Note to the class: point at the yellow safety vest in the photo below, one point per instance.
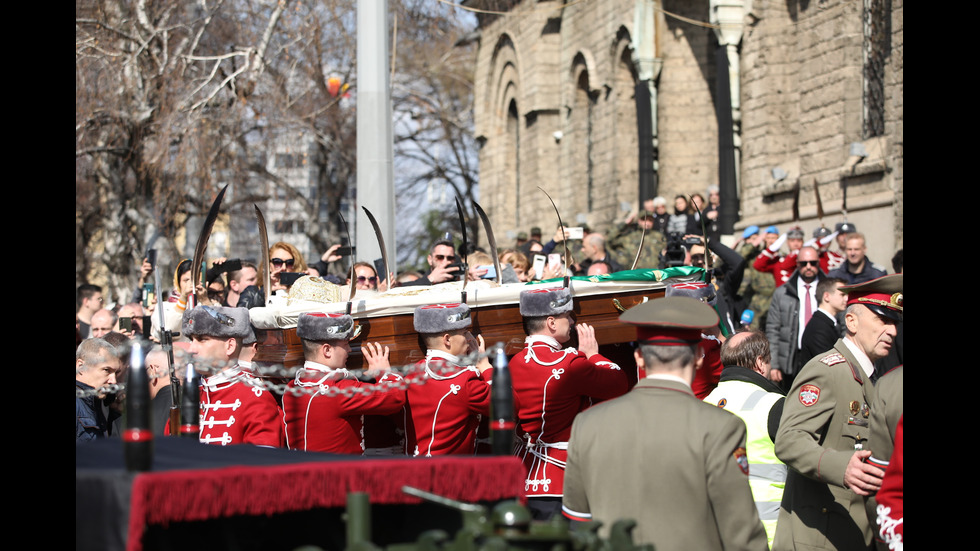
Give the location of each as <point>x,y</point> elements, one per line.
<point>767,474</point>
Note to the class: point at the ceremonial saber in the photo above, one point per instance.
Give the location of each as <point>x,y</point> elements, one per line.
<point>490,239</point>
<point>264,237</point>
<point>704,235</point>
<point>381,243</point>
<point>561,227</point>
<point>462,226</point>
<point>643,235</point>
<point>202,240</point>
<point>353,276</point>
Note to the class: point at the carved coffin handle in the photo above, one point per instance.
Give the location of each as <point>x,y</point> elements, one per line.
<point>622,308</point>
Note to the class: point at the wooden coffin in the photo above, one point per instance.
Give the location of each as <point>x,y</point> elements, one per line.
<point>495,315</point>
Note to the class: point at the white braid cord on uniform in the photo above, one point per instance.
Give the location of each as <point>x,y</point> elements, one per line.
<point>448,361</point>
<point>454,390</point>
<point>887,526</point>
<point>319,388</point>
<point>539,448</point>
<point>530,356</point>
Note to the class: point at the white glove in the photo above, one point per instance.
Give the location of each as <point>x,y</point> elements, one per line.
<point>777,244</point>
<point>826,240</point>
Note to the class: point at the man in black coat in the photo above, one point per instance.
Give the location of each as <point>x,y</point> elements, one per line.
<point>823,331</point>
<point>792,304</point>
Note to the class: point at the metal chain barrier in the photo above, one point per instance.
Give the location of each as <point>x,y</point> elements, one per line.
<point>265,373</point>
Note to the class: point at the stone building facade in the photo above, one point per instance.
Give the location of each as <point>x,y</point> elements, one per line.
<point>816,92</point>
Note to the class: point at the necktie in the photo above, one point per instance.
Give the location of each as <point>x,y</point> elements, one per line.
<point>808,309</point>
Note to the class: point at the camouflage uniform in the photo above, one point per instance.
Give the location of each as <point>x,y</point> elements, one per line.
<point>625,240</point>
<point>757,288</point>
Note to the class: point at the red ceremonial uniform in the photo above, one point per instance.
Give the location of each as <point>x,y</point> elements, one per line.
<point>444,411</point>
<point>551,386</point>
<point>706,378</point>
<point>235,410</point>
<point>323,413</point>
<point>781,267</point>
<point>891,496</point>
<point>829,260</point>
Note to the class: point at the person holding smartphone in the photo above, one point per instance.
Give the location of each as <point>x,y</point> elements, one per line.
<point>594,249</point>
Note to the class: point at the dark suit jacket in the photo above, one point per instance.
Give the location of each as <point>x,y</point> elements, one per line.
<point>819,336</point>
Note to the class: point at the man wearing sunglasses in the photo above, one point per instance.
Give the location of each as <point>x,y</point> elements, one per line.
<point>441,259</point>
<point>793,304</point>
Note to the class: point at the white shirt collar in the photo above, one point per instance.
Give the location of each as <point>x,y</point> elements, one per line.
<point>668,377</point>
<point>228,375</point>
<point>450,361</point>
<point>533,339</point>
<point>439,354</point>
<point>329,373</point>
<point>862,358</point>
<point>832,317</point>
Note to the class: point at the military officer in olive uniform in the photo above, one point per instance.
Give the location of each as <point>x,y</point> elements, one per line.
<point>624,242</point>
<point>824,430</point>
<point>675,464</point>
<point>757,287</point>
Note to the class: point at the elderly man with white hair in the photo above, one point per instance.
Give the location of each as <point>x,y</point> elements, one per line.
<point>96,365</point>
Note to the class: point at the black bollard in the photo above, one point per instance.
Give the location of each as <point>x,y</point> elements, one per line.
<point>138,438</point>
<point>190,404</point>
<point>502,404</point>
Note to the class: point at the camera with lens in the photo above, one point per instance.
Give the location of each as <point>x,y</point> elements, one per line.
<point>675,253</point>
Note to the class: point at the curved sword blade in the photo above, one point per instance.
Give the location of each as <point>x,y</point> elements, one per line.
<point>640,248</point>
<point>704,235</point>
<point>353,276</point>
<point>264,271</point>
<point>563,241</point>
<point>490,239</point>
<point>202,240</point>
<point>462,226</point>
<point>381,242</point>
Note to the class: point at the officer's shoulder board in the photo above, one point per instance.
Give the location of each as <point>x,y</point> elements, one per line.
<point>833,359</point>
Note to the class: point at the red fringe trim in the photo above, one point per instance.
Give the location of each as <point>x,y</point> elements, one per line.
<point>194,495</point>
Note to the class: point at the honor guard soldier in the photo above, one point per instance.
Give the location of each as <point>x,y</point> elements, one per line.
<point>706,378</point>
<point>823,432</point>
<point>661,456</point>
<point>325,405</point>
<point>551,386</point>
<point>234,409</point>
<point>445,408</point>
